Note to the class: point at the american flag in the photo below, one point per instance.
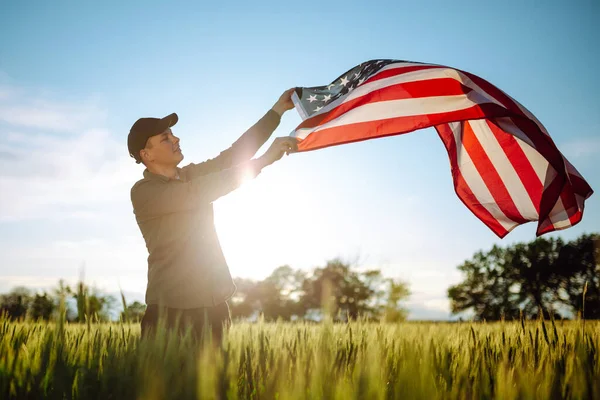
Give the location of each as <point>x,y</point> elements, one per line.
<point>506,168</point>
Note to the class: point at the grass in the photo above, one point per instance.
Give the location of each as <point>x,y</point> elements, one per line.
<point>360,360</point>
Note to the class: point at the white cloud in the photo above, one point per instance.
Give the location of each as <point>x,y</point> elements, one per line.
<point>106,262</point>
<point>22,108</point>
<point>81,169</point>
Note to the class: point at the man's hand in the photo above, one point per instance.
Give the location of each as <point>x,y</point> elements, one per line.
<point>284,103</point>
<point>281,145</point>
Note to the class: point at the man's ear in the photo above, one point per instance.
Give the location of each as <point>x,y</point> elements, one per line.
<point>144,156</point>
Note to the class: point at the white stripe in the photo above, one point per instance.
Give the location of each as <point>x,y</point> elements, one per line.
<point>475,182</point>
<point>515,187</point>
<point>537,161</point>
<point>413,76</point>
<point>558,216</point>
<point>397,109</point>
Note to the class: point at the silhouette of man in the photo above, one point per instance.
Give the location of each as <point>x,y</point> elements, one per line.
<point>189,281</point>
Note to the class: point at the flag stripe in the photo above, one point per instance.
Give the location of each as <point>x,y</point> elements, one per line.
<point>395,70</point>
<point>521,164</point>
<point>484,168</point>
<point>396,91</point>
<point>374,111</point>
<point>414,76</point>
<point>393,125</point>
<point>501,158</point>
<point>462,189</point>
<point>542,143</point>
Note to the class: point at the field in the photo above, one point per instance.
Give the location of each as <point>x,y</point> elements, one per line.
<point>531,360</point>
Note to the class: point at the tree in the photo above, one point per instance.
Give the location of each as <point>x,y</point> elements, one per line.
<point>92,304</point>
<point>579,260</point>
<point>16,303</point>
<point>337,290</point>
<point>240,304</point>
<point>537,274</point>
<point>543,276</point>
<point>396,293</point>
<point>133,312</point>
<point>42,307</point>
<point>275,297</point>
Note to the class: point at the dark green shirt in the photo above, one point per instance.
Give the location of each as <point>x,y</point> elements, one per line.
<point>186,266</point>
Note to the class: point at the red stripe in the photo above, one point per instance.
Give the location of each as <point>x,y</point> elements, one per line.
<point>569,202</point>
<point>461,188</point>
<point>549,198</point>
<point>393,126</point>
<point>542,142</point>
<point>571,208</point>
<point>580,186</point>
<point>388,73</point>
<point>489,174</point>
<point>520,163</point>
<point>401,91</point>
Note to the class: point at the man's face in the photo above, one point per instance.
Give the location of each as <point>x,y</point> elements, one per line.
<point>162,150</point>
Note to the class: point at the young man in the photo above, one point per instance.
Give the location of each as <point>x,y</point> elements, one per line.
<point>188,279</point>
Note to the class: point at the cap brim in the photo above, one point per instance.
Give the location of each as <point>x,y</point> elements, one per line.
<point>170,120</point>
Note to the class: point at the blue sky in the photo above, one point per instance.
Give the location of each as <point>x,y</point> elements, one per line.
<point>75,76</point>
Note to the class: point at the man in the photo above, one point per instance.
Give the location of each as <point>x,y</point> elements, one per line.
<point>189,281</point>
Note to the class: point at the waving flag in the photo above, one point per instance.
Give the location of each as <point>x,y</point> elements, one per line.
<point>506,168</point>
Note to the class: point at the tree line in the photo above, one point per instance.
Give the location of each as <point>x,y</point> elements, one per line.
<point>547,276</point>
<point>336,290</point>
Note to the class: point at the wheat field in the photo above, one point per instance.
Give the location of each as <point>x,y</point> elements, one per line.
<point>358,360</point>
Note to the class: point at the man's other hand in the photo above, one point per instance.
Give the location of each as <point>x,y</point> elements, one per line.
<point>284,103</point>
<point>279,147</point>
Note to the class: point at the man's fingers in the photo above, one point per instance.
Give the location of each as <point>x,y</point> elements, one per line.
<point>286,144</point>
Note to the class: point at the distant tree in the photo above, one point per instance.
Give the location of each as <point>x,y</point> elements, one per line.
<point>16,303</point>
<point>337,290</point>
<point>64,294</point>
<point>579,265</point>
<point>274,297</point>
<point>396,292</point>
<point>92,304</point>
<point>489,287</point>
<point>537,275</point>
<point>240,304</point>
<point>42,307</point>
<point>543,276</point>
<point>278,294</point>
<point>134,312</point>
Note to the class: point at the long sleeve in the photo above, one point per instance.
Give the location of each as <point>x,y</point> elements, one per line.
<point>241,150</point>
<point>152,199</point>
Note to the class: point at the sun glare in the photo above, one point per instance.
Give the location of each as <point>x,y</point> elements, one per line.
<point>259,230</point>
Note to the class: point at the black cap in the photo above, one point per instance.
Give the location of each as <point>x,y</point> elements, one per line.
<point>145,128</point>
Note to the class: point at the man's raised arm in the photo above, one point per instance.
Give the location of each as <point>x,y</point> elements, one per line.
<point>248,144</point>
<point>154,199</point>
